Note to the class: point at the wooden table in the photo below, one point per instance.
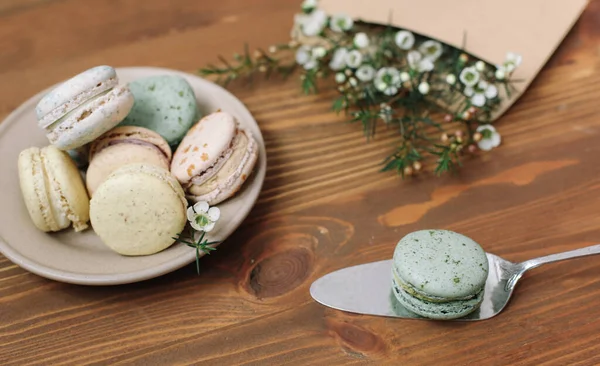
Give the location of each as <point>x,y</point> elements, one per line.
<point>324,206</point>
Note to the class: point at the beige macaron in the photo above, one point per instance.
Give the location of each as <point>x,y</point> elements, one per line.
<point>138,210</point>
<point>53,189</point>
<point>214,159</point>
<point>122,146</point>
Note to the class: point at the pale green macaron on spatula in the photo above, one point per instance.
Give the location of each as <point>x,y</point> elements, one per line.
<point>439,274</point>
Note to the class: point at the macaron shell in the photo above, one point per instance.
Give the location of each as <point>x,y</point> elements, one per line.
<point>441,263</point>
<point>33,190</point>
<point>92,119</point>
<point>71,93</point>
<point>203,146</point>
<point>230,178</point>
<point>114,157</point>
<point>138,210</point>
<point>66,181</point>
<point>128,133</point>
<point>165,104</point>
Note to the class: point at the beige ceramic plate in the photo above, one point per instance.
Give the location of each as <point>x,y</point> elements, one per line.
<point>82,258</point>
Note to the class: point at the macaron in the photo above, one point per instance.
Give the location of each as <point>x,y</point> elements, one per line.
<point>439,274</point>
<point>214,159</point>
<point>53,189</point>
<point>122,146</point>
<point>165,104</point>
<point>138,210</point>
<point>84,107</point>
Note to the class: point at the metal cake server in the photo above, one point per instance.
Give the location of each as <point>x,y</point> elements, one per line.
<point>367,288</point>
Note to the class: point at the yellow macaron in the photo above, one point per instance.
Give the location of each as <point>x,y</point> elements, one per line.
<point>138,209</point>
<point>53,189</point>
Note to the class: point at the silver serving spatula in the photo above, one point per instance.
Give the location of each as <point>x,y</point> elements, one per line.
<point>367,288</point>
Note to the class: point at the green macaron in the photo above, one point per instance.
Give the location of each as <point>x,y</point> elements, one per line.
<point>165,104</point>
<point>439,274</point>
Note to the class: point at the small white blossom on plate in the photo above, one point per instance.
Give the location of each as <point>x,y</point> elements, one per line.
<point>481,93</point>
<point>353,82</point>
<point>490,137</point>
<point>387,80</point>
<point>405,40</point>
<point>404,76</point>
<point>469,76</point>
<point>423,88</point>
<point>312,24</point>
<point>361,40</point>
<point>480,66</point>
<point>451,79</point>
<point>365,73</point>
<point>202,217</point>
<point>431,50</point>
<point>340,77</point>
<point>353,59</point>
<point>417,62</point>
<point>309,5</point>
<point>338,60</point>
<point>341,23</point>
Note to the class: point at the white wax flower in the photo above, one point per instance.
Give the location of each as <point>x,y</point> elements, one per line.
<point>513,60</point>
<point>423,88</point>
<point>490,137</point>
<point>353,81</point>
<point>404,76</point>
<point>365,73</point>
<point>385,112</point>
<point>341,23</point>
<point>202,217</point>
<point>319,52</point>
<point>353,59</point>
<point>480,66</point>
<point>469,76</point>
<point>303,55</point>
<point>312,24</point>
<point>338,60</point>
<point>500,74</point>
<point>405,40</point>
<point>387,80</point>
<point>417,62</point>
<point>451,79</point>
<point>361,40</point>
<point>481,93</point>
<point>431,50</point>
<point>340,77</point>
<point>309,5</point>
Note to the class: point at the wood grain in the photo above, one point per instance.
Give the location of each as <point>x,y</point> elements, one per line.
<point>324,206</point>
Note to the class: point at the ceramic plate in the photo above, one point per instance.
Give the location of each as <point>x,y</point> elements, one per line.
<point>82,258</point>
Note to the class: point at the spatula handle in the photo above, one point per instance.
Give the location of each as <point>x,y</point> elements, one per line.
<point>583,252</point>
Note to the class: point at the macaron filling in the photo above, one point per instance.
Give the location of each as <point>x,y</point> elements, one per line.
<point>420,294</point>
<point>436,310</point>
<point>217,165</point>
<point>231,167</point>
<point>79,114</point>
<point>59,204</point>
<point>48,207</point>
<point>63,109</point>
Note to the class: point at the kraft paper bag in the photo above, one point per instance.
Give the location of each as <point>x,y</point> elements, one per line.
<point>531,28</point>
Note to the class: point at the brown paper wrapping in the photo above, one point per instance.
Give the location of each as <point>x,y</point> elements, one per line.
<point>531,28</point>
